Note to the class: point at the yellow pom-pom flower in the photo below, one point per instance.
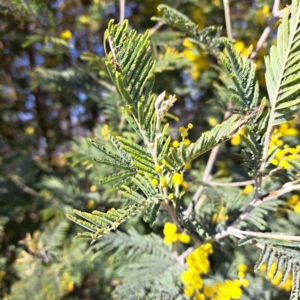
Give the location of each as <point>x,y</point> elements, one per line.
<point>154,182</point>
<point>183,131</point>
<point>170,228</point>
<point>185,185</point>
<point>242,268</point>
<point>177,179</point>
<point>29,130</point>
<point>66,35</point>
<point>84,19</point>
<point>171,196</point>
<point>188,165</point>
<point>184,238</point>
<point>93,188</point>
<point>175,144</point>
<point>163,182</point>
<point>186,142</point>
<point>248,189</point>
<point>157,168</point>
<point>91,204</point>
<point>170,233</point>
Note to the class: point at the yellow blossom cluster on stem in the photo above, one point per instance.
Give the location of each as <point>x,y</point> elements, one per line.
<point>284,152</point>
<point>184,133</point>
<point>66,285</point>
<point>172,236</point>
<point>84,19</point>
<point>91,204</point>
<point>66,35</point>
<point>199,59</point>
<point>177,180</point>
<point>287,285</point>
<point>247,189</point>
<point>221,216</point>
<point>285,130</point>
<point>227,290</point>
<point>104,132</point>
<point>242,269</point>
<point>29,130</point>
<point>241,47</point>
<point>294,202</point>
<point>198,264</point>
<point>236,140</point>
<point>263,14</point>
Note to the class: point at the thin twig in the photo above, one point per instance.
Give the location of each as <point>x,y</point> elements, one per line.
<point>236,232</point>
<point>286,188</point>
<point>122,11</point>
<point>231,184</point>
<point>183,255</point>
<point>24,187</point>
<point>160,24</point>
<point>275,16</point>
<point>155,27</point>
<point>269,235</point>
<point>227,18</point>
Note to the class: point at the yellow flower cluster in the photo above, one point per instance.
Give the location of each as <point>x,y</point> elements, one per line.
<point>66,35</point>
<point>104,132</point>
<point>247,189</point>
<point>29,130</point>
<point>93,188</point>
<point>294,203</point>
<point>91,204</point>
<point>241,48</point>
<point>163,181</point>
<point>287,285</point>
<point>157,168</point>
<point>66,285</point>
<point>242,268</point>
<point>212,121</point>
<point>154,182</point>
<point>286,152</point>
<point>224,291</point>
<point>236,140</point>
<point>177,179</point>
<point>184,133</point>
<point>171,235</point>
<point>220,217</point>
<point>199,60</point>
<point>84,19</point>
<point>198,264</point>
<point>263,14</point>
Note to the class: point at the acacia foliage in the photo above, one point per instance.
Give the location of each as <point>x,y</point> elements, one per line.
<point>57,87</point>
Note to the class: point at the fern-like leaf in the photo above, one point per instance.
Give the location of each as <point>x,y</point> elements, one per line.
<point>242,72</point>
<point>207,38</point>
<point>129,63</point>
<point>287,255</point>
<point>282,74</point>
<point>99,223</point>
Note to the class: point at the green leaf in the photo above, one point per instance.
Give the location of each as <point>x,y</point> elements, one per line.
<point>282,67</point>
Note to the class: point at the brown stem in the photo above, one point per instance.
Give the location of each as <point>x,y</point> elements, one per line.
<point>276,14</point>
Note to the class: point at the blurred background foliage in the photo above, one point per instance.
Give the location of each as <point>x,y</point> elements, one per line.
<point>53,95</point>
